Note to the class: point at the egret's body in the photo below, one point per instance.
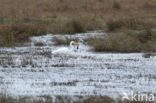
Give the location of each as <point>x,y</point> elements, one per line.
<point>67,50</point>
<point>63,50</point>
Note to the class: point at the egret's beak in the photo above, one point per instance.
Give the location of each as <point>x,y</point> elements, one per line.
<point>77,44</point>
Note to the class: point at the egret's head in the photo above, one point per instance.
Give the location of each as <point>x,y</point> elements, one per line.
<point>74,45</point>
<point>77,45</point>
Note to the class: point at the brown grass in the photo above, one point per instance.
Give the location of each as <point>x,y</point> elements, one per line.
<point>23,100</point>
<point>132,23</point>
<point>74,26</point>
<point>66,99</point>
<point>65,41</point>
<point>14,33</point>
<point>71,16</point>
<point>48,8</point>
<point>39,44</point>
<point>128,41</point>
<point>116,5</point>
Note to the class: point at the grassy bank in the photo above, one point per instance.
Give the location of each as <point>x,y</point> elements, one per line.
<point>30,18</point>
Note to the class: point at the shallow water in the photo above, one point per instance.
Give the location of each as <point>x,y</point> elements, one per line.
<point>35,71</point>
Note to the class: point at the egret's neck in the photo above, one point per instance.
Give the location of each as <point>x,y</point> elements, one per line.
<point>72,47</point>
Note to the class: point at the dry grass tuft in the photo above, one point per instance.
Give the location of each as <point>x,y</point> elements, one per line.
<point>39,44</point>
<point>132,23</point>
<point>65,41</point>
<point>74,26</point>
<point>115,43</point>
<point>116,5</point>
<point>128,41</point>
<point>14,33</point>
<point>104,99</point>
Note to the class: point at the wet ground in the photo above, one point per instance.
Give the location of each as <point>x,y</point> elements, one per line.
<point>35,71</point>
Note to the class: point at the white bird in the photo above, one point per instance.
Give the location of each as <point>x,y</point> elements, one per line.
<point>74,46</point>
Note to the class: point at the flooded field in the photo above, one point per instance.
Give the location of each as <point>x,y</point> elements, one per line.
<point>36,71</point>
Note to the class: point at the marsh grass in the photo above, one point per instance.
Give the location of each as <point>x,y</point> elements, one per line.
<point>128,41</point>
<point>74,26</point>
<point>23,100</point>
<point>14,33</point>
<point>31,17</point>
<point>116,5</point>
<point>39,44</point>
<point>131,23</point>
<point>63,41</point>
<point>148,55</point>
<point>66,99</point>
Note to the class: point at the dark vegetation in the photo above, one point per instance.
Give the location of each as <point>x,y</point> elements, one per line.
<point>64,99</point>
<point>39,44</point>
<point>21,19</point>
<point>13,33</point>
<point>128,41</point>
